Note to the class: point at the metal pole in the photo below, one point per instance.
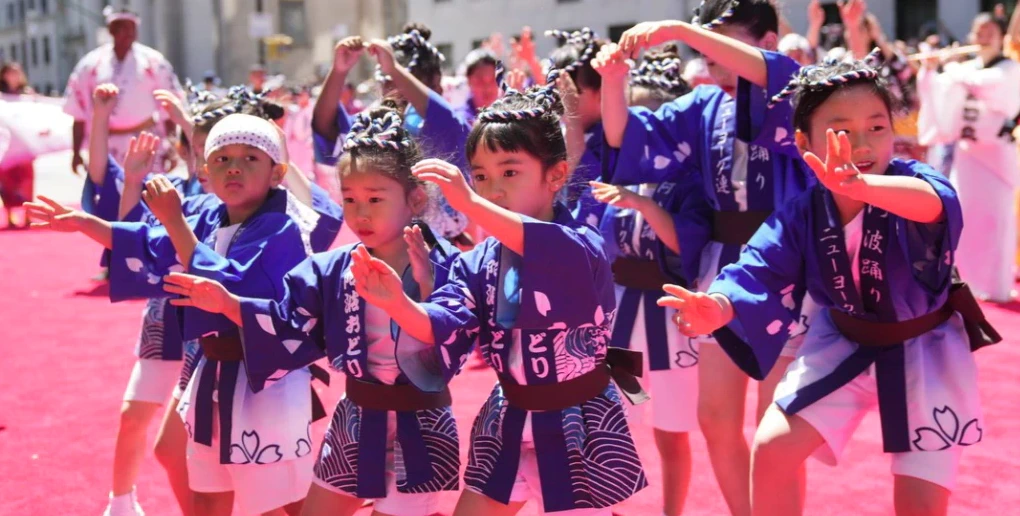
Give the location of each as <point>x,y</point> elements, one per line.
<point>261,43</point>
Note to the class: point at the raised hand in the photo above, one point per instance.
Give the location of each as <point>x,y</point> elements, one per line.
<point>647,35</point>
<point>837,171</point>
<point>104,99</point>
<point>205,294</point>
<point>163,200</point>
<point>611,62</point>
<point>448,178</point>
<point>382,51</point>
<point>374,280</point>
<point>50,214</point>
<point>696,313</point>
<point>346,53</point>
<point>616,196</point>
<point>816,14</point>
<point>852,12</point>
<point>421,266</point>
<point>77,162</point>
<point>140,156</point>
<point>524,48</point>
<point>172,106</point>
<point>515,79</point>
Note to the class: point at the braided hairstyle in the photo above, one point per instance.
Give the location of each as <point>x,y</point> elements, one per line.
<point>238,100</point>
<point>414,52</point>
<point>378,142</point>
<point>658,78</point>
<point>758,17</point>
<point>813,85</point>
<point>522,121</point>
<point>577,49</point>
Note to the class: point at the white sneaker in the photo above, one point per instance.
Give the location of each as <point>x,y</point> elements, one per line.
<point>124,505</point>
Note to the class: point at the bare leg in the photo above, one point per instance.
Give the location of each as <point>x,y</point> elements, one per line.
<point>781,445</point>
<point>214,504</point>
<point>722,390</point>
<point>471,503</point>
<point>766,393</point>
<point>129,451</point>
<point>675,452</point>
<point>916,497</point>
<point>171,452</point>
<point>323,502</point>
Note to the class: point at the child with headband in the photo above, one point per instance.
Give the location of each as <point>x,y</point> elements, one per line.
<point>874,245</point>
<point>748,165</point>
<point>537,296</point>
<point>387,441</point>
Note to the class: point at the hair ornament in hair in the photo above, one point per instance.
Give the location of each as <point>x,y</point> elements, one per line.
<point>412,44</point>
<point>802,80</point>
<point>583,38</point>
<point>718,22</point>
<point>545,97</point>
<point>664,74</point>
<point>239,97</point>
<point>196,96</point>
<point>379,133</point>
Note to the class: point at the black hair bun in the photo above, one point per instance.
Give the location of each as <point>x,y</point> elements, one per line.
<point>422,29</point>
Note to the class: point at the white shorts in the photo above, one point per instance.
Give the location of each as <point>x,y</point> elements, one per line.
<point>258,488</point>
<point>152,380</point>
<point>395,503</point>
<point>838,415</point>
<point>674,403</point>
<point>528,486</point>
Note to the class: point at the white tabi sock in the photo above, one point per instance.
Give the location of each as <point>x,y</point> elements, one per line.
<point>124,505</point>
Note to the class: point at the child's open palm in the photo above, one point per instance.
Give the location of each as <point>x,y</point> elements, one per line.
<point>163,200</point>
<point>448,178</point>
<point>140,156</point>
<point>615,195</point>
<point>104,99</point>
<point>374,280</point>
<point>696,312</point>
<point>837,172</point>
<point>171,104</point>
<point>346,53</point>
<point>50,214</point>
<point>205,294</point>
<point>421,266</point>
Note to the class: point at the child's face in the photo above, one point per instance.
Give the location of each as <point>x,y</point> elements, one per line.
<point>241,175</point>
<point>483,86</point>
<point>862,115</point>
<point>377,207</point>
<point>516,181</point>
<point>985,33</point>
<point>724,77</point>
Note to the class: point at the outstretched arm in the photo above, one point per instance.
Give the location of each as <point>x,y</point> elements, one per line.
<point>50,214</point>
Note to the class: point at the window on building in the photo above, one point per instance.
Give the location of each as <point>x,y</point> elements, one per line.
<point>292,20</point>
<point>31,4</point>
<point>989,5</point>
<point>46,50</point>
<point>21,10</point>
<point>24,53</point>
<point>477,43</point>
<point>14,52</point>
<point>914,17</point>
<point>615,31</point>
<point>35,52</point>
<point>10,14</point>
<point>44,6</point>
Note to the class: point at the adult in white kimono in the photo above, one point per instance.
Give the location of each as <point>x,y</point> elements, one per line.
<point>969,104</point>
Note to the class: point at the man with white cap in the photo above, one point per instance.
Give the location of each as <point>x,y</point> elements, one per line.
<point>137,71</point>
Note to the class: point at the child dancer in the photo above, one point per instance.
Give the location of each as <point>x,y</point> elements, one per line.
<point>874,245</point>
<point>255,457</point>
<point>387,439</point>
<point>645,228</point>
<point>409,68</point>
<point>748,165</point>
<point>538,297</point>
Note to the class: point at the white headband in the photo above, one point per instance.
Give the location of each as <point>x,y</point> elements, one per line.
<point>241,129</point>
<point>114,15</point>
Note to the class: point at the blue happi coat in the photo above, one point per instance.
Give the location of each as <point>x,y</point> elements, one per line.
<point>543,318</point>
<point>321,314</point>
<point>927,385</point>
<point>629,236</point>
<point>743,151</point>
<point>254,429</point>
